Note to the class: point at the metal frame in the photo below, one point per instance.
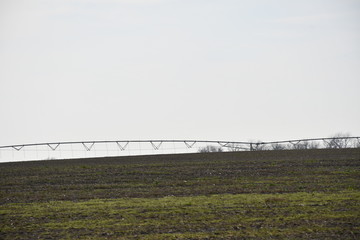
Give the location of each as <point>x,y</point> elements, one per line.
<point>233,146</point>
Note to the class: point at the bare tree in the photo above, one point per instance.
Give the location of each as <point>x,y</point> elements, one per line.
<point>258,146</point>
<point>278,146</point>
<point>313,145</point>
<point>339,140</point>
<point>233,147</point>
<point>357,143</point>
<point>300,145</point>
<point>210,148</point>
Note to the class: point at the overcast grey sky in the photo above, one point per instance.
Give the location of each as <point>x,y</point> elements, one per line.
<point>178,69</point>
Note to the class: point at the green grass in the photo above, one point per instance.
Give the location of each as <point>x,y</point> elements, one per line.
<point>289,195</point>
<point>240,215</point>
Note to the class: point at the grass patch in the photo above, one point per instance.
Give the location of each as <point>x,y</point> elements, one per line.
<point>239,215</point>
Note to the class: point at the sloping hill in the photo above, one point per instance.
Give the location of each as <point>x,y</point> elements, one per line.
<point>289,193</point>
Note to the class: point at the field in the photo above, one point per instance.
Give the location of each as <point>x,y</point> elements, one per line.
<point>289,194</point>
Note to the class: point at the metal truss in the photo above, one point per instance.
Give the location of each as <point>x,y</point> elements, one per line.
<point>156,144</point>
<point>88,146</point>
<point>122,147</point>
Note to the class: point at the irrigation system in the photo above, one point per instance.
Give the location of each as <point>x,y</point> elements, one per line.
<point>89,149</point>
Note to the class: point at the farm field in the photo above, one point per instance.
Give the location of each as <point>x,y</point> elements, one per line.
<point>289,194</point>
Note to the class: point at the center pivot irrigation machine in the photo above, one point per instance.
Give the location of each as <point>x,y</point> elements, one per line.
<point>89,149</point>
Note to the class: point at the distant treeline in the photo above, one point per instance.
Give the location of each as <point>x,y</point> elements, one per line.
<point>337,141</point>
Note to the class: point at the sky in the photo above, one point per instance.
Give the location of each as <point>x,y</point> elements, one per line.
<point>234,70</point>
